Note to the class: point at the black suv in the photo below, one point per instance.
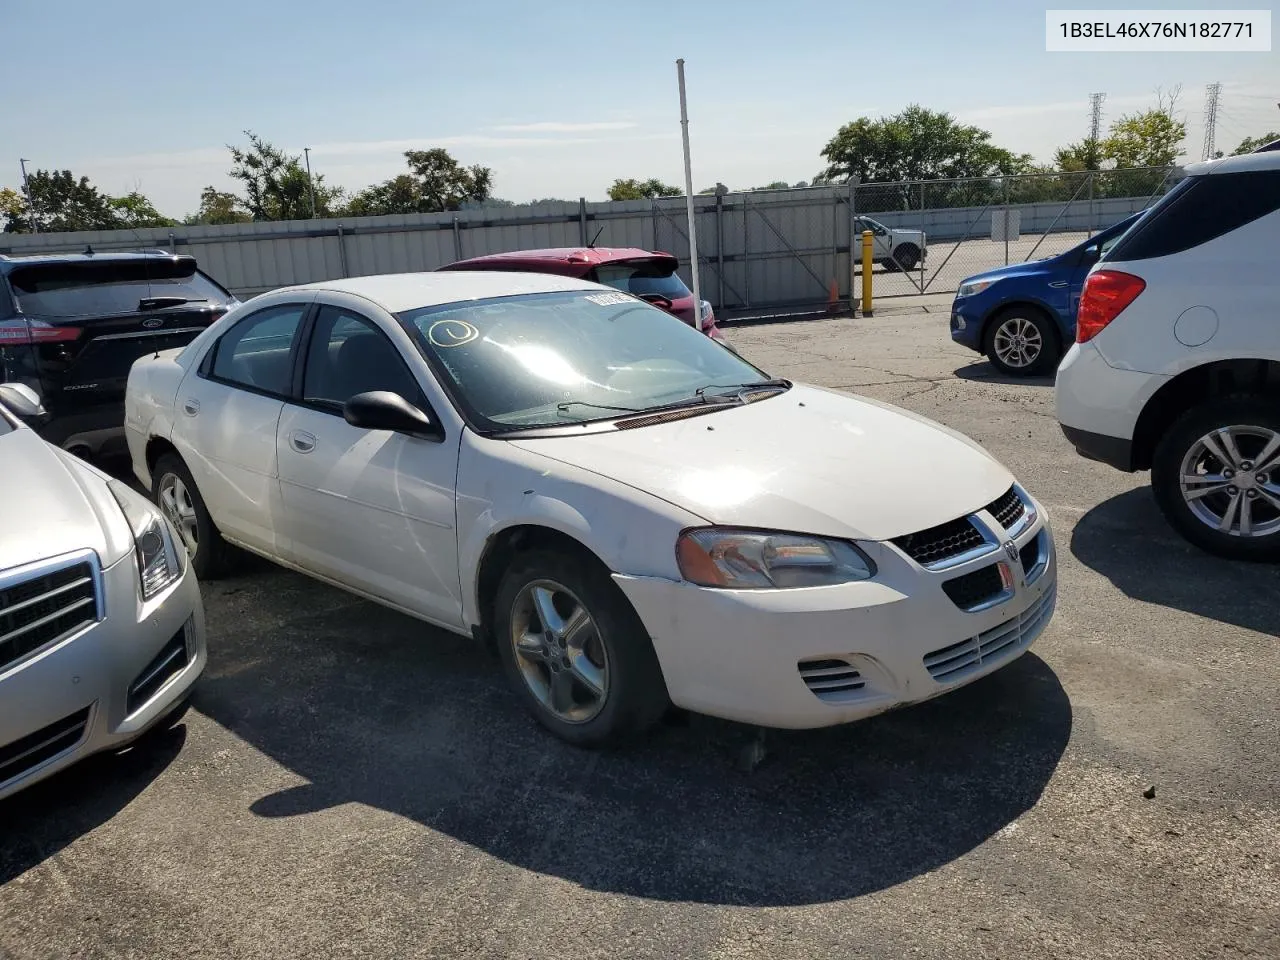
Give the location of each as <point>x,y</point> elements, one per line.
<point>72,325</point>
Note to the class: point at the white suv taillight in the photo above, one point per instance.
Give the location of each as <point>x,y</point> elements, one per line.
<point>1106,294</point>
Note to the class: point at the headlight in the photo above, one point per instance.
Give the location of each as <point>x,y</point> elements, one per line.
<point>720,557</point>
<point>160,563</point>
<point>969,288</point>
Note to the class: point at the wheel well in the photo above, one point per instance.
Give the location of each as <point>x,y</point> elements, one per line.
<point>1193,387</point>
<point>157,447</point>
<point>504,546</point>
<point>1005,308</point>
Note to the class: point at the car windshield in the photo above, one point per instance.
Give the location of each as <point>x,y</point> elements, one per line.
<point>551,359</point>
<point>654,279</point>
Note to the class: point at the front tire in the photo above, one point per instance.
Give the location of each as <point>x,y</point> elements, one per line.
<point>1216,477</point>
<point>175,493</point>
<point>574,650</point>
<point>1021,342</point>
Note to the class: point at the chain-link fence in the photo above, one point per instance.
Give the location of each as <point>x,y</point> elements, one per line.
<point>930,235</point>
<point>760,251</point>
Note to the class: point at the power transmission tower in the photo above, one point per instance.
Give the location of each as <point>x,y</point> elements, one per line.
<point>1095,129</point>
<point>1211,94</point>
<point>1095,115</point>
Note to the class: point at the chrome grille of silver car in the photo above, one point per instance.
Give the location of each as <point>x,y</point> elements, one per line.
<point>43,603</point>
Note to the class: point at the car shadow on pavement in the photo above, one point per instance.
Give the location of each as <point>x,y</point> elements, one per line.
<point>1128,541</point>
<point>42,820</point>
<point>374,708</point>
<point>981,371</point>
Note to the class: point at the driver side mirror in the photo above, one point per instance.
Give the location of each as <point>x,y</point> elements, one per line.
<point>1091,253</point>
<point>22,401</point>
<point>384,410</point>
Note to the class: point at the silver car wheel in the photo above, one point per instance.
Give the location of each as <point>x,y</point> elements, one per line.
<point>1018,342</point>
<point>1230,480</point>
<point>559,652</point>
<point>175,502</point>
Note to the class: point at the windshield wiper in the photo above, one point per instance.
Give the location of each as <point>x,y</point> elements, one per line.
<point>564,405</point>
<point>741,388</point>
<point>159,303</point>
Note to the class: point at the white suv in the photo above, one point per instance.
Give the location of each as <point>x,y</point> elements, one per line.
<point>1176,367</point>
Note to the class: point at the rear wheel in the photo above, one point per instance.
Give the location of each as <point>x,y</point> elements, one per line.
<point>575,651</point>
<point>174,491</point>
<point>1216,476</point>
<point>906,256</point>
<point>1021,342</point>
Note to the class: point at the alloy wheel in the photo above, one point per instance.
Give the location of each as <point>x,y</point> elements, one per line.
<point>1230,480</point>
<point>559,652</point>
<point>1018,342</point>
<point>176,504</point>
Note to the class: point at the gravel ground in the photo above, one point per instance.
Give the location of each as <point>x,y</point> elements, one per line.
<point>351,783</point>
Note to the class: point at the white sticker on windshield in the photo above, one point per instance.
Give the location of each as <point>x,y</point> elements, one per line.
<point>609,299</point>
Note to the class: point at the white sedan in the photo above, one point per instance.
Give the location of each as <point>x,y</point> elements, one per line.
<point>633,514</point>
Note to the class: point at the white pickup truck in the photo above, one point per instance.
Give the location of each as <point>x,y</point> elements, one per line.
<point>895,249</point>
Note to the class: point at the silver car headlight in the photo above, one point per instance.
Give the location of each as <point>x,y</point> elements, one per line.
<point>752,559</point>
<point>160,563</point>
<point>970,287</point>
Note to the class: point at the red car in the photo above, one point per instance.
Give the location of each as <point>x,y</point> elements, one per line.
<point>647,274</point>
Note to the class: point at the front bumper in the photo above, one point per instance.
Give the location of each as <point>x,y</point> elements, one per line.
<point>760,656</point>
<point>966,325</point>
<point>104,686</point>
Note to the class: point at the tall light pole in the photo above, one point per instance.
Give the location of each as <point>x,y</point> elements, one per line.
<point>311,190</point>
<point>688,197</point>
<point>31,201</point>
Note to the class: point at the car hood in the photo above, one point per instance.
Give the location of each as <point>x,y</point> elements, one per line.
<point>1033,268</point>
<point>808,461</point>
<point>51,504</point>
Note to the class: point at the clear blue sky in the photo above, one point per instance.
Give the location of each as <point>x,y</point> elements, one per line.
<point>559,98</point>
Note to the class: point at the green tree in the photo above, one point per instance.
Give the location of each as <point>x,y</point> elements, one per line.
<point>1152,138</point>
<point>63,203</point>
<point>13,208</point>
<point>436,182</point>
<point>1074,157</point>
<point>632,189</point>
<point>916,144</point>
<point>1250,144</point>
<point>276,185</point>
<point>135,210</point>
<point>217,207</point>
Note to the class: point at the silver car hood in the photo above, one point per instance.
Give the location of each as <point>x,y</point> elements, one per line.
<point>52,503</point>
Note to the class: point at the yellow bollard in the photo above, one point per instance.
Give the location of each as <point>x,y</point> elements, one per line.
<point>868,243</point>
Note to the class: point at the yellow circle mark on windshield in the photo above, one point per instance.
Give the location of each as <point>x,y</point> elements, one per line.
<point>451,333</point>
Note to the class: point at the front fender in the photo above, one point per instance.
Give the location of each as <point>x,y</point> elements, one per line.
<point>502,486</point>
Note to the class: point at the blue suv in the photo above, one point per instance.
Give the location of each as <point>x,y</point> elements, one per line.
<point>1023,316</point>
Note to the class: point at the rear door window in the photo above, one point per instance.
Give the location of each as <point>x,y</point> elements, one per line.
<point>110,288</point>
<point>257,352</point>
<point>642,279</point>
<point>1197,210</point>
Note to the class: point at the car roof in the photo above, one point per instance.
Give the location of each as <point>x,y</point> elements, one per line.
<point>1265,160</point>
<point>396,292</point>
<point>9,263</point>
<point>577,256</point>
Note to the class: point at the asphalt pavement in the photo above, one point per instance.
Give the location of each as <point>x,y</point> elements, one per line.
<point>352,783</point>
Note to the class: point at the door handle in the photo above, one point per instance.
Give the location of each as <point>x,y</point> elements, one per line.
<point>302,441</point>
<point>190,407</point>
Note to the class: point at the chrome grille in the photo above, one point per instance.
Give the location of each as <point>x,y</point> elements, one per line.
<point>1007,509</point>
<point>830,678</point>
<point>42,604</point>
<point>1001,642</point>
<point>940,543</point>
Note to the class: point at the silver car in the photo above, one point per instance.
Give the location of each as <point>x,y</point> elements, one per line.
<point>101,624</point>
